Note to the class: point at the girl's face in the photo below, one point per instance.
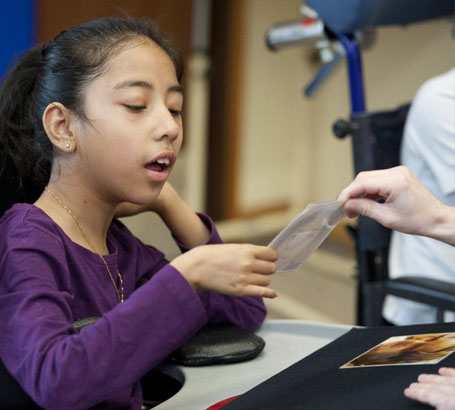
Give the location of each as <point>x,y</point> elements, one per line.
<point>134,130</point>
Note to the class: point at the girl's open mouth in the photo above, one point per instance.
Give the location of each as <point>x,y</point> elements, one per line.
<point>159,169</point>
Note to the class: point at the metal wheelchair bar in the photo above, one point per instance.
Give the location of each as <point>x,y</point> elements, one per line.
<point>355,73</point>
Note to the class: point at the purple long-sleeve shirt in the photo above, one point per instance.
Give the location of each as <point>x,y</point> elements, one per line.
<point>47,282</point>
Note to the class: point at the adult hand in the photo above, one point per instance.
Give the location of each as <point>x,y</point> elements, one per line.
<point>407,206</point>
<point>231,269</point>
<point>437,390</point>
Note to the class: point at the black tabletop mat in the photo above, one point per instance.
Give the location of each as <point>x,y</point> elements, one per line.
<point>316,382</point>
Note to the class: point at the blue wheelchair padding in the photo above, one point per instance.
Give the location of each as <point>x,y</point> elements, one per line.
<point>17,29</point>
<point>347,16</point>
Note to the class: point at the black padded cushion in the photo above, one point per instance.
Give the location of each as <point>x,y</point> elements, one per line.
<point>217,344</point>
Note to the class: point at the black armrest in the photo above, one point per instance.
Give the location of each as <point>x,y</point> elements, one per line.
<point>429,291</point>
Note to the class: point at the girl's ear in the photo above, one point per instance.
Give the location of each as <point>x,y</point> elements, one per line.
<point>56,122</point>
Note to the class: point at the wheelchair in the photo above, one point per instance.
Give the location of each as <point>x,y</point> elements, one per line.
<point>339,30</point>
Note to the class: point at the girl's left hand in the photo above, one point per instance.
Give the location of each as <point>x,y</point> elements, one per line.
<point>166,197</point>
<point>159,205</point>
<point>179,218</point>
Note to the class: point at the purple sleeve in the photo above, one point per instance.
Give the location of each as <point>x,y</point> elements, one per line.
<point>245,312</point>
<point>61,369</point>
<point>214,236</point>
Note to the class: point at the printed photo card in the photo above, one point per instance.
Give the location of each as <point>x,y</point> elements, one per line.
<point>407,350</point>
<point>303,235</point>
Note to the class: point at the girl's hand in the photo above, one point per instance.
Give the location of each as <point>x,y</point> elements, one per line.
<point>231,269</point>
<point>165,199</point>
<point>158,205</point>
<point>181,220</point>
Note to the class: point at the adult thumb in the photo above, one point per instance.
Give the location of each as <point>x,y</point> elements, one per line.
<point>366,207</point>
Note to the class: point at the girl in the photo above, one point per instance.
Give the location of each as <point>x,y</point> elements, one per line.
<point>94,116</point>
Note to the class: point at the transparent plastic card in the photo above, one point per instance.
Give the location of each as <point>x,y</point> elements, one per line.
<point>305,233</point>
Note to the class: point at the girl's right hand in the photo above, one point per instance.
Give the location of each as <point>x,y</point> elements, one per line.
<point>231,269</point>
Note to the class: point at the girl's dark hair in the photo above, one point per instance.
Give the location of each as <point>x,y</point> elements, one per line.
<point>57,71</point>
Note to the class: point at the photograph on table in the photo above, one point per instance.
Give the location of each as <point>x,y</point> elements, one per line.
<point>406,350</point>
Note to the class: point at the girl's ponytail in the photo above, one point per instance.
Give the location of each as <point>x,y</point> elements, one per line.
<point>21,164</point>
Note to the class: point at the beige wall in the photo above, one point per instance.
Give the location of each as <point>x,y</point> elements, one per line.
<point>275,148</point>
<point>288,151</point>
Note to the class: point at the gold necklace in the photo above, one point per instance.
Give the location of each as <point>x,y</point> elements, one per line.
<point>119,294</point>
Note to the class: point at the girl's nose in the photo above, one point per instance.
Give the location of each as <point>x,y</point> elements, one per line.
<point>169,126</point>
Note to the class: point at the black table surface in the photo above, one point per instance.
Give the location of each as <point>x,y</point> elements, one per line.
<point>317,382</point>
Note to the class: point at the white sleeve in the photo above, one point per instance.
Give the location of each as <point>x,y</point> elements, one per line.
<point>429,135</point>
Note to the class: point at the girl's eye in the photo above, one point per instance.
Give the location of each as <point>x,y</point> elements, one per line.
<point>176,113</point>
<point>135,108</point>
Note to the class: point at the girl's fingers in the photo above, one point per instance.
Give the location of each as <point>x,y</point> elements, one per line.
<point>265,253</point>
<point>258,279</point>
<point>259,291</point>
<point>263,267</point>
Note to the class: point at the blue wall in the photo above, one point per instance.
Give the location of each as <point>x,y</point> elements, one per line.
<point>17,29</point>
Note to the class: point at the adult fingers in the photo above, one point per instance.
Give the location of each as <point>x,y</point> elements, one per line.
<point>377,183</point>
<point>420,392</point>
<point>437,378</point>
<point>364,206</point>
<point>437,395</point>
<point>365,183</point>
<point>449,371</point>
